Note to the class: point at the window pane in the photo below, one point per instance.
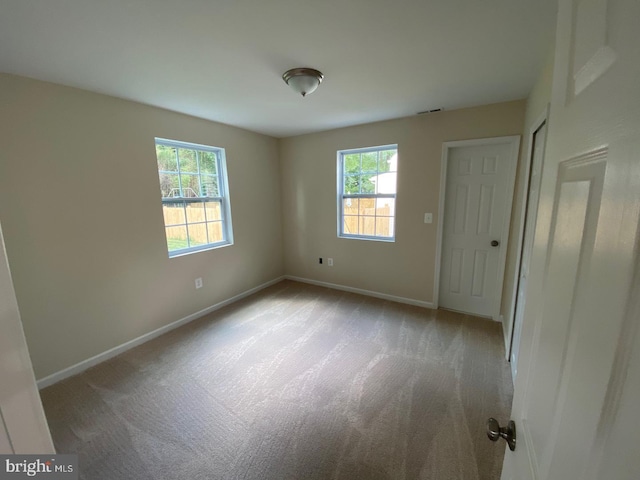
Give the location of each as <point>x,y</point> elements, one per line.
<point>352,163</point>
<point>350,206</point>
<point>188,162</point>
<point>215,232</point>
<point>387,162</point>
<point>370,175</point>
<point>386,207</point>
<point>367,206</point>
<point>351,184</point>
<point>383,227</point>
<point>368,226</point>
<point>350,224</point>
<point>386,183</point>
<point>208,163</point>
<point>195,212</point>
<point>166,158</point>
<point>190,186</point>
<point>195,208</point>
<point>213,211</point>
<point>173,213</point>
<point>197,234</point>
<point>367,185</point>
<point>209,186</point>
<point>370,162</point>
<point>169,185</point>
<point>176,238</point>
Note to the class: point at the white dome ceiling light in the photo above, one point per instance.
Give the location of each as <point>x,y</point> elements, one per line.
<point>303,80</point>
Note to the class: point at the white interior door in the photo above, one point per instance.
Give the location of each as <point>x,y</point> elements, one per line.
<point>477,209</point>
<point>23,427</point>
<point>538,142</point>
<point>578,386</point>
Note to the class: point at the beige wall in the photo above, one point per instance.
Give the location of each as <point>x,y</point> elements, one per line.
<point>80,208</point>
<point>535,107</point>
<point>404,268</point>
<point>81,213</point>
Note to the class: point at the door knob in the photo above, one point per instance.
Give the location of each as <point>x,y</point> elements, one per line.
<point>495,243</point>
<point>495,431</point>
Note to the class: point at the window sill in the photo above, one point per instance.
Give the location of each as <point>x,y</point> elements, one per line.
<point>204,248</point>
<point>373,239</point>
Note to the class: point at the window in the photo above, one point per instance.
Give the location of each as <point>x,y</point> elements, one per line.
<point>367,193</point>
<point>195,196</point>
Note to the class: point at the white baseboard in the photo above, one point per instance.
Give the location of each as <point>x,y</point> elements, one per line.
<point>112,352</point>
<point>369,293</point>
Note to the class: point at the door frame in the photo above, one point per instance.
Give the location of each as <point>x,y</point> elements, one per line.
<point>514,141</point>
<point>542,119</point>
<point>23,426</point>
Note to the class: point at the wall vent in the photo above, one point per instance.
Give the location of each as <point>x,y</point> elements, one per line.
<point>430,111</point>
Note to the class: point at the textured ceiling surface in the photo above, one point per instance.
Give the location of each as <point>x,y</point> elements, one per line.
<point>223,59</point>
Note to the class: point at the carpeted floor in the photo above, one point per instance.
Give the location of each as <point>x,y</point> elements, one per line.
<point>295,382</point>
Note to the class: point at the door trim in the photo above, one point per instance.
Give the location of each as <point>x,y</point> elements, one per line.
<point>535,126</point>
<point>514,141</point>
<point>23,424</point>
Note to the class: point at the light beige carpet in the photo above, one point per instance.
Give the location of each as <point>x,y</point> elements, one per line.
<point>295,382</point>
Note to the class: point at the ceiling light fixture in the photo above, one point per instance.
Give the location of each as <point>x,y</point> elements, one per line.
<point>303,80</point>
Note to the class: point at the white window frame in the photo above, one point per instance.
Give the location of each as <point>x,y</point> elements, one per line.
<point>222,197</point>
<point>342,196</point>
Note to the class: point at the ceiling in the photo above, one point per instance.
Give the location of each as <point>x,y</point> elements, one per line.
<point>223,59</point>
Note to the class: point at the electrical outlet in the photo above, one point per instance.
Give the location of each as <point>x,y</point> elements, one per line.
<point>330,262</point>
<point>198,282</point>
<point>428,218</point>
